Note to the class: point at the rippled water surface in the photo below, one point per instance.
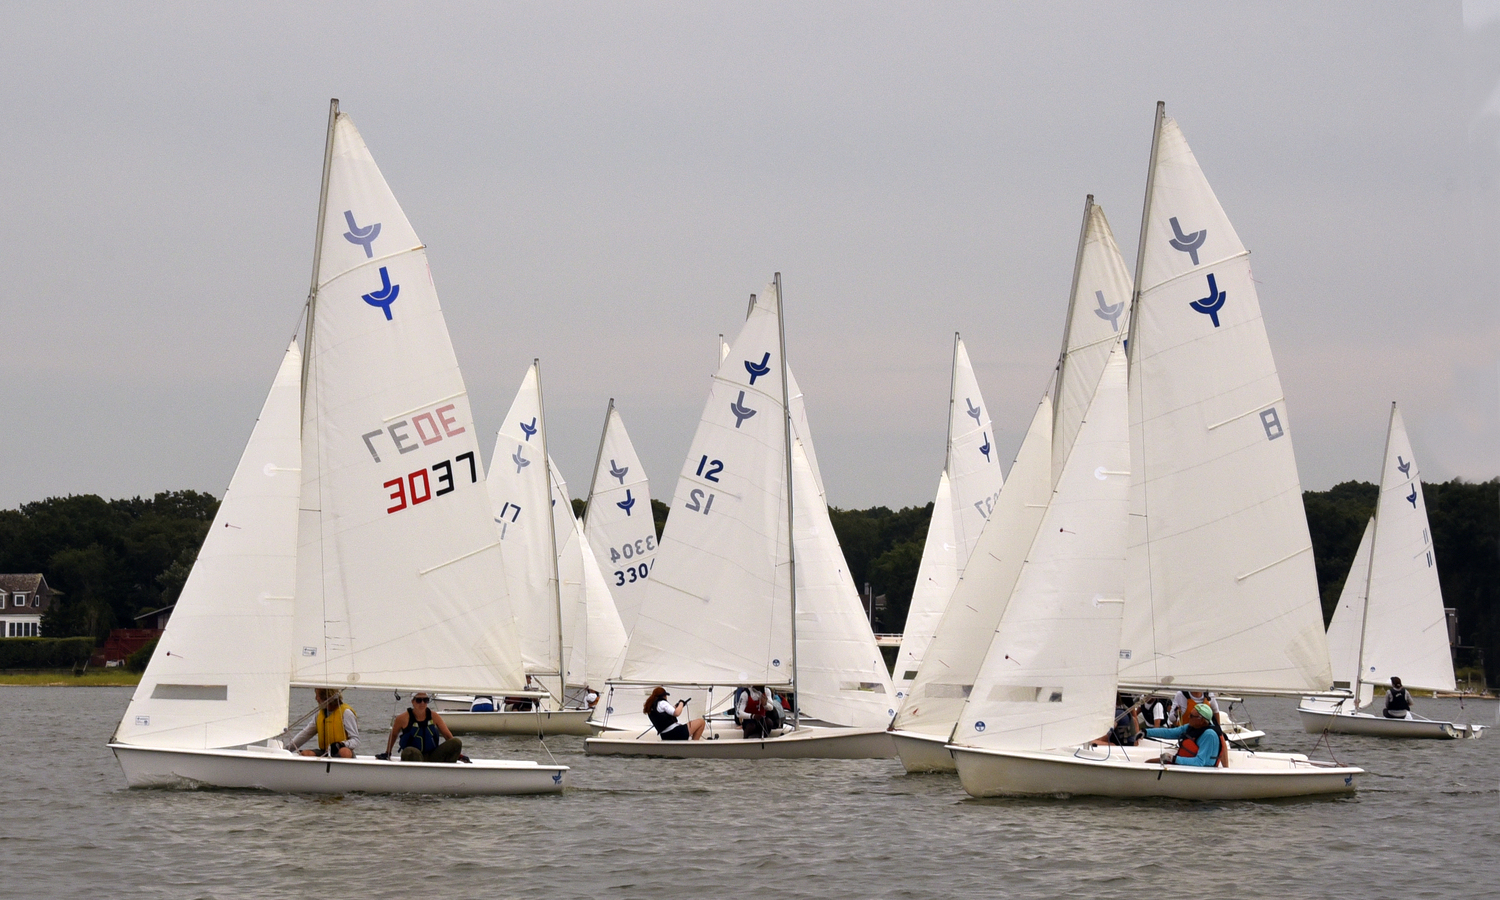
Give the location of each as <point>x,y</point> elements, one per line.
<point>1426,823</point>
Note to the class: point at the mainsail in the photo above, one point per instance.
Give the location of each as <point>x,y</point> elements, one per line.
<point>619,524</point>
<point>220,672</point>
<point>1222,590</point>
<point>1048,679</point>
<point>400,581</point>
<point>967,490</point>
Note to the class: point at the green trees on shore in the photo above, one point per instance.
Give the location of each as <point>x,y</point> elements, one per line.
<point>114,559</point>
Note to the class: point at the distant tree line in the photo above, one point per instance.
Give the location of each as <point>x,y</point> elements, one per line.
<point>114,559</point>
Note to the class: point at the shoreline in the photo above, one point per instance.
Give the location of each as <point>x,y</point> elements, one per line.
<point>66,678</point>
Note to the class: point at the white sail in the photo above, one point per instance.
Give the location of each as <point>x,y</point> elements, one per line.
<point>220,672</point>
<point>400,581</point>
<point>841,676</point>
<point>1406,629</point>
<point>1222,588</point>
<point>520,506</point>
<point>1048,679</point>
<point>973,465</point>
<point>1098,314</point>
<point>936,698</point>
<point>572,596</point>
<point>604,635</point>
<point>717,608</point>
<point>1349,615</point>
<point>619,524</point>
<point>937,576</point>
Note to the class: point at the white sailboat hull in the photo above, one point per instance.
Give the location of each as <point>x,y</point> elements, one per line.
<point>553,721</point>
<point>1121,772</point>
<point>1317,721</point>
<point>807,742</point>
<point>285,772</point>
<point>923,752</point>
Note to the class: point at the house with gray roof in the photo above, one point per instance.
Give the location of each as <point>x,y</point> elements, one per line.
<point>23,599</point>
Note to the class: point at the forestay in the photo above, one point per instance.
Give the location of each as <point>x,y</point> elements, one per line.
<point>400,581</point>
<point>1406,629</point>
<point>1348,618</point>
<point>717,608</point>
<point>220,672</point>
<point>1048,679</point>
<point>1222,589</point>
<point>952,661</point>
<point>619,524</point>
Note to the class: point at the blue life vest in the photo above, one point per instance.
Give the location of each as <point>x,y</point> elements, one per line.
<point>422,735</point>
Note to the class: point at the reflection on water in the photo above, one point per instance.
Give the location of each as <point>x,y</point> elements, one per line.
<point>1426,822</point>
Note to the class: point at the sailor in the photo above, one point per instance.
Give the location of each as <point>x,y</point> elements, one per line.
<point>482,704</point>
<point>757,712</point>
<point>1185,700</point>
<point>1397,701</point>
<point>663,717</point>
<point>1155,711</point>
<point>424,736</point>
<point>590,697</point>
<point>335,725</point>
<point>1198,740</point>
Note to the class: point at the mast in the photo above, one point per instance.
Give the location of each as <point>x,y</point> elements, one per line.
<point>588,505</point>
<point>1364,615</point>
<point>952,388</point>
<point>791,544</point>
<point>312,291</point>
<point>556,579</point>
<point>1083,233</point>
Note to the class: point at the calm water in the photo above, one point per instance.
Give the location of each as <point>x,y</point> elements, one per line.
<point>1425,824</point>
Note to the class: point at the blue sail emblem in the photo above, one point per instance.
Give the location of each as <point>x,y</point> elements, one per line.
<point>1187,243</point>
<point>972,410</point>
<point>1412,497</point>
<point>1404,466</point>
<point>387,294</point>
<point>528,430</point>
<point>361,236</point>
<point>520,461</point>
<point>619,472</point>
<point>740,410</point>
<point>1211,304</point>
<point>1110,311</point>
<point>758,369</point>
<point>627,503</point>
<point>985,447</point>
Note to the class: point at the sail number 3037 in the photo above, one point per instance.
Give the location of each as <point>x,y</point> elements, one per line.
<point>417,487</point>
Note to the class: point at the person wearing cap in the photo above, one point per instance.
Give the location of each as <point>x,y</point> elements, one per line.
<point>663,716</point>
<point>1397,701</point>
<point>1198,740</point>
<point>335,725</point>
<point>424,735</point>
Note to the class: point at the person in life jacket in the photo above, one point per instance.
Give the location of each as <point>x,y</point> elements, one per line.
<point>663,716</point>
<point>1183,701</point>
<point>1397,701</point>
<point>424,736</point>
<point>334,724</point>
<point>757,712</point>
<point>1199,741</point>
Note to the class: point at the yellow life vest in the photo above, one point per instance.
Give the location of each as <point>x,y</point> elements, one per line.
<point>331,728</point>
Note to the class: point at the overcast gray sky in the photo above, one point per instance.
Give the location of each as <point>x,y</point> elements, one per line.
<point>603,186</point>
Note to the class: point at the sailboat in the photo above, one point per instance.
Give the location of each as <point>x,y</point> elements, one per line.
<point>1098,314</point>
<point>1390,619</point>
<point>379,570</point>
<point>749,586</point>
<point>545,575</point>
<point>967,490</point>
<point>618,521</point>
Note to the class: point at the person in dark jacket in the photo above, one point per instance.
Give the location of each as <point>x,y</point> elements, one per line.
<point>424,735</point>
<point>663,717</point>
<point>1397,701</point>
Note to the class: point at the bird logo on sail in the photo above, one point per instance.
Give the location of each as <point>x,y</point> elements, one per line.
<point>1187,243</point>
<point>1412,497</point>
<point>361,236</point>
<point>1211,304</point>
<point>1109,311</point>
<point>1404,466</point>
<point>985,447</point>
<point>758,369</point>
<point>520,461</point>
<point>972,410</point>
<point>528,430</point>
<point>618,471</point>
<point>627,503</point>
<point>387,294</point>
<point>740,410</point>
